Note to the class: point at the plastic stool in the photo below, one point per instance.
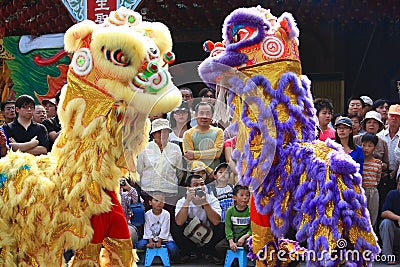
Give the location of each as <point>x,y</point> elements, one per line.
<point>153,252</point>
<point>240,254</point>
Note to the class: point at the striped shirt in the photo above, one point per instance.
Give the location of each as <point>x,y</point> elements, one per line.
<point>372,171</point>
<point>207,146</point>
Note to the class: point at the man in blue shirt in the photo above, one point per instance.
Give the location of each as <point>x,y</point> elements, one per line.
<point>390,226</point>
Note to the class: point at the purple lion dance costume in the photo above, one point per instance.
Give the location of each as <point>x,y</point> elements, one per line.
<point>310,186</point>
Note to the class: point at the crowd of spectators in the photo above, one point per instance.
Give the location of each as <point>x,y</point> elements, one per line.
<point>369,133</point>
<point>187,175</point>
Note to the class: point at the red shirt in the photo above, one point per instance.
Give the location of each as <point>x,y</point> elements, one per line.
<point>328,133</point>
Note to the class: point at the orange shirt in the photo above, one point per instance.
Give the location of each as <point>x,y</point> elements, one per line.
<point>372,171</point>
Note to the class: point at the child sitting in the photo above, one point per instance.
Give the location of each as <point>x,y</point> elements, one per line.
<point>221,189</point>
<point>237,222</point>
<point>372,171</point>
<point>157,228</point>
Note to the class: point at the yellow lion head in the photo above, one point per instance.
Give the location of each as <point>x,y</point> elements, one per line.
<point>126,58</point>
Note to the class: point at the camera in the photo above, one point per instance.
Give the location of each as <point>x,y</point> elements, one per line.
<point>198,192</point>
<point>122,182</point>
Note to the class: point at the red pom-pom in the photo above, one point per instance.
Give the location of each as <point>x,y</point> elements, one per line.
<point>208,46</point>
<point>169,57</point>
<point>219,44</point>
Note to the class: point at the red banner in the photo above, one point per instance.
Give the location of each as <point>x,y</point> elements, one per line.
<point>98,10</point>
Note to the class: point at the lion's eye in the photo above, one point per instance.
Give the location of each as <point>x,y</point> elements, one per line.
<point>117,57</point>
<point>154,51</point>
<point>236,38</point>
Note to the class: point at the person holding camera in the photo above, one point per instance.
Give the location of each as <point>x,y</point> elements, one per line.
<point>197,206</point>
<point>129,195</point>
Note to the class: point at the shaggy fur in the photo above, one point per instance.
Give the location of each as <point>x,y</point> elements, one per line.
<point>297,182</point>
<point>48,201</point>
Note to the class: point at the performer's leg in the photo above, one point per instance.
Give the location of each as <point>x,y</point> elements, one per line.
<point>118,241</point>
<point>262,236</point>
<point>90,255</point>
<point>87,256</point>
<point>120,252</point>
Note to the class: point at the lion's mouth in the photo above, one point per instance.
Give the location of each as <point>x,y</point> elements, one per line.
<point>145,83</point>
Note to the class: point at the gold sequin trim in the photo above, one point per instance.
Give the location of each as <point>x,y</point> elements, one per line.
<point>357,189</point>
<point>278,221</point>
<point>303,178</point>
<point>122,248</point>
<point>325,231</point>
<point>283,112</point>
<point>278,183</point>
<point>98,102</point>
<point>270,125</point>
<point>67,227</point>
<point>261,236</point>
<point>75,180</point>
<point>329,209</point>
<point>95,192</point>
<point>285,201</point>
<point>265,200</point>
<point>3,252</point>
<point>298,126</point>
<point>19,180</point>
<point>306,219</point>
<point>288,165</point>
<point>252,112</point>
<point>341,185</point>
<point>91,252</point>
<point>355,232</point>
<point>256,146</point>
<point>273,71</point>
<point>32,261</point>
<point>3,192</point>
<point>289,92</point>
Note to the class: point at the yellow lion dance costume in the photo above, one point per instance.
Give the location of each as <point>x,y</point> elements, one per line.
<point>66,199</point>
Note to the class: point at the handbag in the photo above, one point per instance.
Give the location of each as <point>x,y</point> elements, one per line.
<point>198,232</point>
<point>137,218</point>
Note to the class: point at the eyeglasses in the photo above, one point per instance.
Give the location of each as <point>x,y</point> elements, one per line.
<point>342,128</point>
<point>209,95</point>
<point>180,112</point>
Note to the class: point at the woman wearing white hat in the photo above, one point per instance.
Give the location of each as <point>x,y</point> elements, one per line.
<point>373,124</point>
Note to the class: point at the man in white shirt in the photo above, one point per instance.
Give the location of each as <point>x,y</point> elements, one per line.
<point>160,166</point>
<point>392,136</point>
<point>196,203</point>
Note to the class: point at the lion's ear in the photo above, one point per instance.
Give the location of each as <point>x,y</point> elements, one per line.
<point>78,32</point>
<point>159,33</point>
<point>288,23</point>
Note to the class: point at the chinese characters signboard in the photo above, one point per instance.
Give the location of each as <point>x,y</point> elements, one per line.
<point>97,10</point>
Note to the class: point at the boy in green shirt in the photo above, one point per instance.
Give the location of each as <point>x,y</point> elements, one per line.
<point>237,223</point>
